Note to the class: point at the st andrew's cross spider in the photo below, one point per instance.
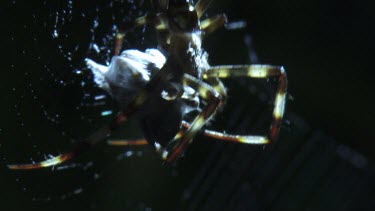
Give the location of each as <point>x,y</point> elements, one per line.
<point>170,83</point>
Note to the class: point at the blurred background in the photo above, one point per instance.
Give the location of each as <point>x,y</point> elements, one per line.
<point>324,159</point>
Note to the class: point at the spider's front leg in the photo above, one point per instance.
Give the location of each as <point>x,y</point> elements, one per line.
<point>201,6</point>
<point>210,25</point>
<point>183,138</point>
<point>156,20</point>
<point>262,72</point>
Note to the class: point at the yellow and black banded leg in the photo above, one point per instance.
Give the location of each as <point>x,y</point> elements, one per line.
<point>250,139</point>
<point>212,24</point>
<point>100,134</point>
<point>92,140</point>
<point>201,7</point>
<point>82,147</point>
<point>157,20</point>
<point>134,142</point>
<point>219,87</point>
<point>262,72</point>
<point>183,138</point>
<point>120,35</point>
<point>209,133</point>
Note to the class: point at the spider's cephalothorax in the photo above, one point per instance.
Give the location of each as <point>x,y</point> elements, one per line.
<point>181,17</point>
<point>179,37</point>
<point>166,86</point>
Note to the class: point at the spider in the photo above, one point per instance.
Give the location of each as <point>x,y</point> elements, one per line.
<point>173,90</point>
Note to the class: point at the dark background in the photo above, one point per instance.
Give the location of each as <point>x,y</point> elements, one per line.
<point>325,47</point>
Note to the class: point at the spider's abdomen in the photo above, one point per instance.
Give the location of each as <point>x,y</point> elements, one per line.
<point>127,73</point>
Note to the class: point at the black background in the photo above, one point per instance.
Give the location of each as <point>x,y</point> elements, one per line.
<point>325,46</point>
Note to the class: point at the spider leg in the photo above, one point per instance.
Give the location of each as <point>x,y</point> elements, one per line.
<point>218,86</point>
<point>100,134</point>
<point>201,7</point>
<point>258,71</point>
<point>209,133</point>
<point>183,138</point>
<point>135,104</point>
<point>82,147</point>
<point>92,140</point>
<point>231,137</point>
<point>210,25</point>
<point>157,20</point>
<point>118,43</point>
<point>136,142</point>
<point>142,141</point>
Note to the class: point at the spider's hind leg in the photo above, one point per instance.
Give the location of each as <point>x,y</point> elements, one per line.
<point>218,86</point>
<point>82,147</point>
<point>183,138</point>
<point>100,134</point>
<point>261,72</point>
<point>250,139</point>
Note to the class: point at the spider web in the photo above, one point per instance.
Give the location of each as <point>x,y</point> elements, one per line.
<point>49,100</point>
<point>49,103</point>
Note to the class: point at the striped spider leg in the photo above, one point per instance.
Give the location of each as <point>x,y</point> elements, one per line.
<point>254,71</point>
<point>121,142</point>
<point>83,146</point>
<point>210,25</point>
<point>212,77</point>
<point>156,20</point>
<point>201,6</point>
<point>184,137</point>
<point>100,134</point>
